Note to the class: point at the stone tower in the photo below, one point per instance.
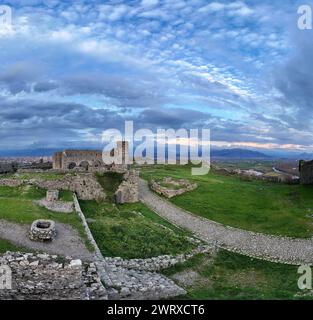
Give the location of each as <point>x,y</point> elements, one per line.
<point>123,151</point>
<point>57,161</point>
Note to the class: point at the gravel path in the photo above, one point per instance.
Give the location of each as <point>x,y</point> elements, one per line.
<point>271,248</point>
<point>66,243</point>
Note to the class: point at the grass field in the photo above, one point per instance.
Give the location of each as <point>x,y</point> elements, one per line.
<point>16,205</point>
<point>259,206</point>
<point>233,276</point>
<point>132,231</point>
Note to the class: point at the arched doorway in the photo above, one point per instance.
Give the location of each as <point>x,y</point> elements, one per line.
<point>84,164</point>
<point>71,165</point>
<point>97,164</point>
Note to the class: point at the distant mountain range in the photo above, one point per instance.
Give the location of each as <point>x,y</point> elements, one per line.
<point>305,156</point>
<point>238,154</point>
<point>215,153</point>
<point>28,153</point>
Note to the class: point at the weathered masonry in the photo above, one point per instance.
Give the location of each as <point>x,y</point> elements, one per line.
<point>306,172</point>
<point>88,159</point>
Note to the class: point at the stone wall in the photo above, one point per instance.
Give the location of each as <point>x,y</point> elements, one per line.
<point>49,277</point>
<point>12,182</point>
<point>52,195</point>
<point>56,206</point>
<point>306,172</point>
<point>91,159</point>
<point>157,263</point>
<point>127,191</point>
<point>181,184</point>
<point>84,185</point>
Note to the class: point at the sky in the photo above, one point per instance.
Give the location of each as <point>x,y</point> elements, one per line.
<point>71,69</point>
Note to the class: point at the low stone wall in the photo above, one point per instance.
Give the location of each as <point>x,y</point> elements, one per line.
<point>50,277</point>
<point>157,263</point>
<point>98,254</point>
<point>11,182</point>
<point>182,185</point>
<point>56,206</point>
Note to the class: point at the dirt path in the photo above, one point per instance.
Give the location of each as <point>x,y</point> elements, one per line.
<point>271,248</point>
<point>66,243</point>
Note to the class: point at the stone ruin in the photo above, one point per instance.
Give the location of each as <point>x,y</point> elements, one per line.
<point>52,202</point>
<point>127,191</point>
<point>169,187</point>
<point>91,160</point>
<point>50,277</point>
<point>42,230</point>
<point>52,195</point>
<point>84,185</point>
<point>306,172</point>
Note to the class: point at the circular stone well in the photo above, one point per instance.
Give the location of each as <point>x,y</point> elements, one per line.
<point>42,230</point>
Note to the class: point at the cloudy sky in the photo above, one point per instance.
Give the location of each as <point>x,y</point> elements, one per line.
<point>71,69</point>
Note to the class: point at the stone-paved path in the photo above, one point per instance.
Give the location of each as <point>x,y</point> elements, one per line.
<point>271,248</point>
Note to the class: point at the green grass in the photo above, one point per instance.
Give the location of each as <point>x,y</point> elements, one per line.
<point>132,231</point>
<point>65,195</point>
<point>233,276</point>
<point>110,182</point>
<point>8,246</point>
<point>259,206</point>
<point>170,186</point>
<point>16,205</point>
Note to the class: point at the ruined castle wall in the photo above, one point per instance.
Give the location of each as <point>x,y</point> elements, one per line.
<point>74,158</point>
<point>127,191</point>
<point>306,172</point>
<point>57,160</point>
<point>78,157</point>
<point>85,185</point>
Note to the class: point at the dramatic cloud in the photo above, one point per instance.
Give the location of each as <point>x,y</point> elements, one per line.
<point>72,69</point>
<point>295,81</point>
